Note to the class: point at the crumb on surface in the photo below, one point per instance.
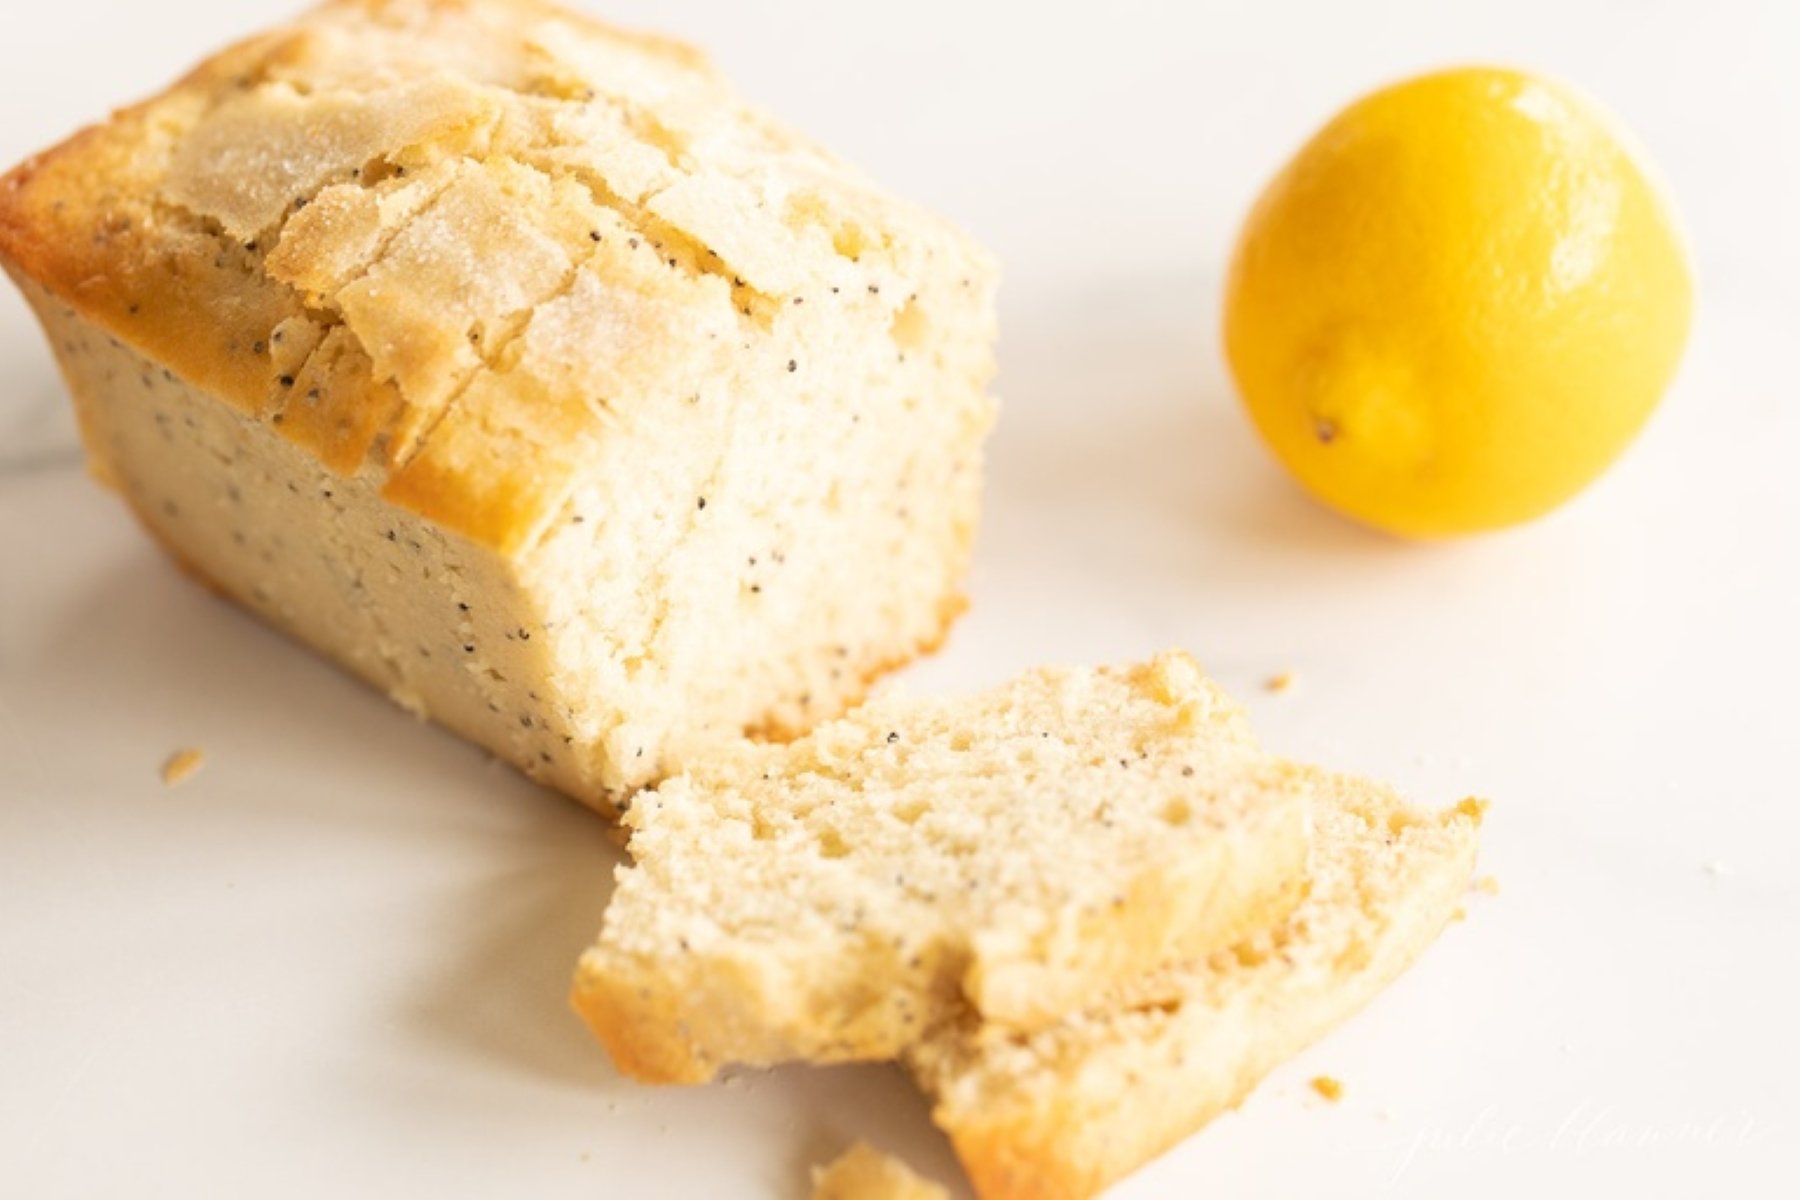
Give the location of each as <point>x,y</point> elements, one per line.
<point>181,764</point>
<point>1330,1088</point>
<point>865,1173</point>
<point>1487,885</point>
<point>1459,914</point>
<point>1473,807</point>
<point>1281,681</point>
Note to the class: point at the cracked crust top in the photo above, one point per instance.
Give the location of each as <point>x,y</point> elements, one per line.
<point>453,241</point>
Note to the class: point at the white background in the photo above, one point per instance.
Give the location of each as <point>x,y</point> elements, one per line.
<point>334,962</point>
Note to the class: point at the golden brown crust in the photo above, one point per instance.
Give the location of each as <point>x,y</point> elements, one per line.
<point>67,221</point>
<point>400,188</point>
<point>631,1028</point>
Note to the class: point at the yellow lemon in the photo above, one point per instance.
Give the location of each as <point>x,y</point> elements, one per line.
<point>1457,304</point>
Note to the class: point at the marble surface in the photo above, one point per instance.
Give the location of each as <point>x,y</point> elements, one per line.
<point>333,961</point>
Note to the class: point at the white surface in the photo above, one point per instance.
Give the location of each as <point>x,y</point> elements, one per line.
<point>333,963</point>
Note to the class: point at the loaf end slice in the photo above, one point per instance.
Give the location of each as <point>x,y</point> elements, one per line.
<point>1064,1113</point>
<point>1020,852</point>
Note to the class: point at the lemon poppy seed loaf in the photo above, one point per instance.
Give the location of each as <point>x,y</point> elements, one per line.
<point>514,363</point>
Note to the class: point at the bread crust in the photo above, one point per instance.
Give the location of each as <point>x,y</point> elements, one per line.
<point>130,224</point>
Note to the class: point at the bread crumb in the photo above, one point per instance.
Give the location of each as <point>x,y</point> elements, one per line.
<point>865,1173</point>
<point>1488,885</point>
<point>1459,913</point>
<point>1473,808</point>
<point>1328,1087</point>
<point>181,764</point>
<point>1280,682</point>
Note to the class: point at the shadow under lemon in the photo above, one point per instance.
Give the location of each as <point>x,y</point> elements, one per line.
<point>1120,425</point>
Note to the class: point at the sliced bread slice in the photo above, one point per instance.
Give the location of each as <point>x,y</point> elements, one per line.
<point>1061,1114</point>
<point>1020,854</point>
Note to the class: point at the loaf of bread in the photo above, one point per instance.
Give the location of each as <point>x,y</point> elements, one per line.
<point>1018,853</point>
<point>514,363</point>
<point>1063,1113</point>
<point>865,1173</point>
